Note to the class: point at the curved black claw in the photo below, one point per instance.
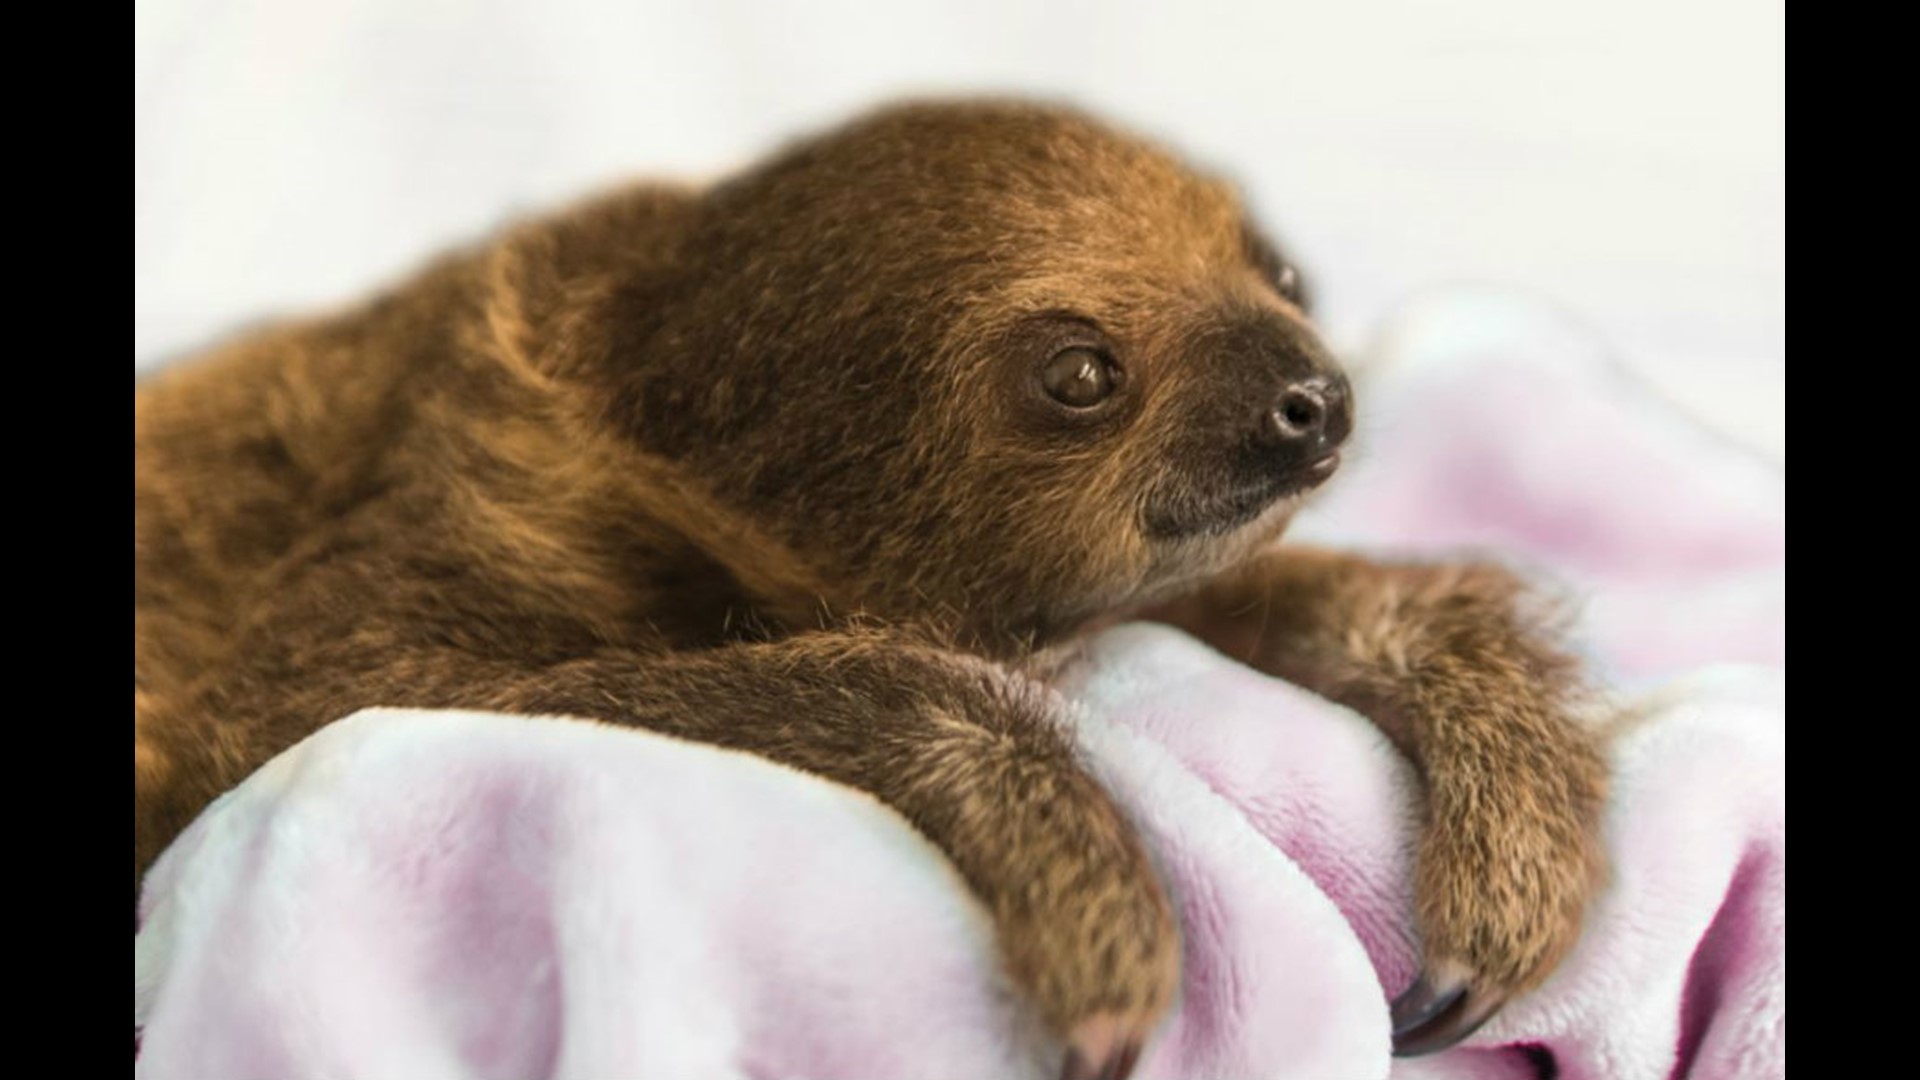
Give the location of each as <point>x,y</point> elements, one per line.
<point>1432,1016</point>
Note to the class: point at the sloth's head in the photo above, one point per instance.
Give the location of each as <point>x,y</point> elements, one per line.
<point>990,360</point>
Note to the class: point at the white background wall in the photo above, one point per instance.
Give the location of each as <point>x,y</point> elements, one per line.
<point>1624,160</point>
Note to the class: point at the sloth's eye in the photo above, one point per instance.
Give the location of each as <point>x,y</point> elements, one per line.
<point>1079,378</point>
<point>1288,282</point>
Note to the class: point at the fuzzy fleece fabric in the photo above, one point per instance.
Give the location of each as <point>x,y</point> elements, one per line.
<point>421,895</point>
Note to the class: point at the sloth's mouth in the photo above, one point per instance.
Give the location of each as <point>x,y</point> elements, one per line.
<point>1193,511</point>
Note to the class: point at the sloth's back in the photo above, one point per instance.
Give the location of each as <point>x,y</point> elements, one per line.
<point>242,454</point>
<point>249,452</point>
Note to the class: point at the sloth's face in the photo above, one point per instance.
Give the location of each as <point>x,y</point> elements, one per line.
<point>1141,393</point>
<point>1003,363</point>
<point>1151,416</point>
<point>1200,411</point>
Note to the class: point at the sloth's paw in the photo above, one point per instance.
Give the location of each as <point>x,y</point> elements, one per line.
<point>1098,952</point>
<point>1105,1046</point>
<point>1505,874</point>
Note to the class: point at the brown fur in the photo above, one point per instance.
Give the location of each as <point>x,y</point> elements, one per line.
<point>764,465</point>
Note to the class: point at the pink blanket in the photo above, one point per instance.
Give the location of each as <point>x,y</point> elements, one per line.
<point>415,894</point>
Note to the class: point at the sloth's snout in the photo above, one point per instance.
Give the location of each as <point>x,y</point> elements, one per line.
<point>1308,422</point>
<point>1290,446</point>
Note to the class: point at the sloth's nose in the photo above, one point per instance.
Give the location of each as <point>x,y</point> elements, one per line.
<point>1310,420</point>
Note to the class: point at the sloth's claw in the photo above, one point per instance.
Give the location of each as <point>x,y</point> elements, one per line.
<point>1439,1010</point>
<point>1424,1000</point>
<point>1104,1047</point>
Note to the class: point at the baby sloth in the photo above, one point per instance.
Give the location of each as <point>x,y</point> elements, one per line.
<point>831,462</point>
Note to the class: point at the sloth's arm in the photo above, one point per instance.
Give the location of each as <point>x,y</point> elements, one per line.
<point>973,756</point>
<point>1460,667</point>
